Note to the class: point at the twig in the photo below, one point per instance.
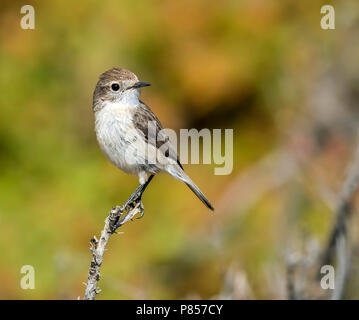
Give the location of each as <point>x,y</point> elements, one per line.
<point>298,267</point>
<point>342,268</point>
<point>344,208</point>
<point>98,247</point>
<point>290,280</point>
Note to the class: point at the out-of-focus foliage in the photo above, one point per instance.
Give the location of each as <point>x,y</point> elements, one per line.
<point>255,66</point>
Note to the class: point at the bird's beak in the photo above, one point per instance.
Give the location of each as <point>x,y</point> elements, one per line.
<point>139,85</point>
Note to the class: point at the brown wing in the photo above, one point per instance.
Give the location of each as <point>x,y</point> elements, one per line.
<point>142,116</point>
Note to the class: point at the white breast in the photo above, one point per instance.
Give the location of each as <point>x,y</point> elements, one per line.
<point>118,138</point>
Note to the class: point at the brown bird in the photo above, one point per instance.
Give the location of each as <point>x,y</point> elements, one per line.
<point>131,136</point>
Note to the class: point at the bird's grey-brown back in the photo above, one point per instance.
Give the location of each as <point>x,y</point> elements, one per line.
<point>104,91</point>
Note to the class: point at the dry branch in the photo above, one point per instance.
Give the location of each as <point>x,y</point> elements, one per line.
<point>343,265</point>
<point>337,249</point>
<point>344,208</point>
<point>98,247</point>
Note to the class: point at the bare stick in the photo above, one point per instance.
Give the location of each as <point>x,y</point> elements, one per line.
<point>98,247</point>
<point>291,289</point>
<point>344,208</point>
<point>342,268</point>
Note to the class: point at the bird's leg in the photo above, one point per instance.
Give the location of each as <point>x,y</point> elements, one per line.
<point>137,194</point>
<point>132,202</point>
<point>144,186</point>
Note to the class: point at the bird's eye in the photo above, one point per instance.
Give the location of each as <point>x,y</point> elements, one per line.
<point>115,87</point>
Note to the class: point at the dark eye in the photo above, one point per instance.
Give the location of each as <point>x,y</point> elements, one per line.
<point>115,87</point>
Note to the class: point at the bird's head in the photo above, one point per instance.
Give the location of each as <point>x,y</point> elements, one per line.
<point>116,85</point>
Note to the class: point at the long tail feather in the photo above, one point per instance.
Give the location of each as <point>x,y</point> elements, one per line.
<point>179,174</point>
<point>200,195</point>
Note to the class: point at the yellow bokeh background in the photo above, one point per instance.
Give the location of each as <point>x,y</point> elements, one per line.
<point>251,66</point>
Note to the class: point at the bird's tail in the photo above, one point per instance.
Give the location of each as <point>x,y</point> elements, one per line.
<point>180,175</point>
<point>199,194</point>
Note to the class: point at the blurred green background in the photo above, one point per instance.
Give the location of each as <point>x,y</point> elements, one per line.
<point>264,68</point>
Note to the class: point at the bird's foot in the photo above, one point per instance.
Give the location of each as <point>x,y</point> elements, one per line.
<point>128,212</point>
<point>142,212</point>
<point>134,199</point>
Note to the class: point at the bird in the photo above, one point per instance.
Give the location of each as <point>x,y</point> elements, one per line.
<point>124,133</point>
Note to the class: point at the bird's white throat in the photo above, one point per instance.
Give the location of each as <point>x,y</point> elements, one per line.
<point>127,99</point>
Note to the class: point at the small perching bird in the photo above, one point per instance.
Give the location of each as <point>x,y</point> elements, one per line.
<point>130,135</point>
